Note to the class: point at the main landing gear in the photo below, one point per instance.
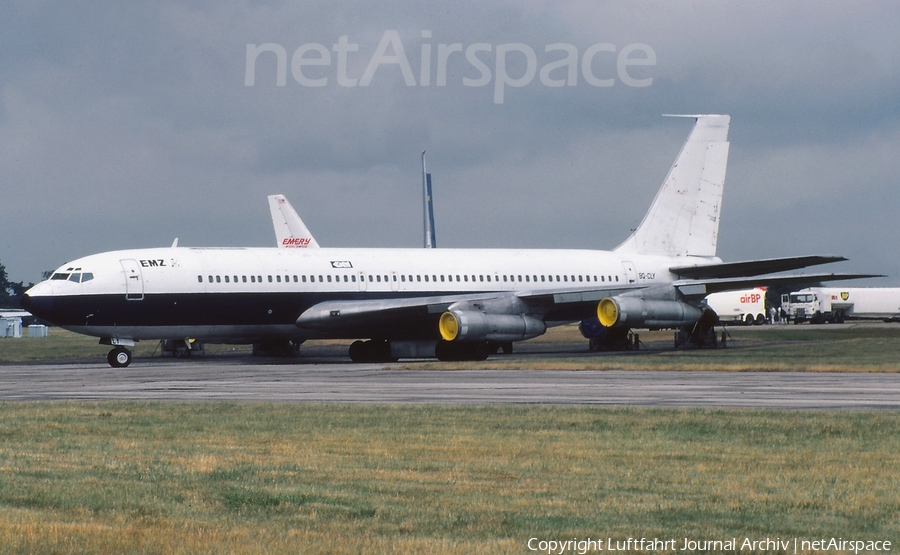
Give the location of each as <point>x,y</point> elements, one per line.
<point>375,350</point>
<point>381,350</point>
<point>119,357</point>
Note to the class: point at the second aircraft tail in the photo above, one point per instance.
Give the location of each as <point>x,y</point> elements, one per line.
<point>290,231</point>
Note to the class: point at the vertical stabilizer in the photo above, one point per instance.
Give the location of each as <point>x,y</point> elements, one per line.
<point>290,231</point>
<point>428,208</point>
<point>684,217</point>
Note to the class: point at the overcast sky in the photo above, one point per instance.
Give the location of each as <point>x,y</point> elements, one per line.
<point>127,124</point>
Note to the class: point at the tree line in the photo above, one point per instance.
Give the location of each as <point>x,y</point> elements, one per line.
<point>11,291</point>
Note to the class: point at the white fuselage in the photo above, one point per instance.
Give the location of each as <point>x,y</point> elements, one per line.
<point>251,294</point>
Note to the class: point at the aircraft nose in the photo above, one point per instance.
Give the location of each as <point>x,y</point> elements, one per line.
<point>39,305</point>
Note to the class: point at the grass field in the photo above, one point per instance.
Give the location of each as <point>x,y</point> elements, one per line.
<point>125,477</point>
<point>258,478</point>
<point>844,348</point>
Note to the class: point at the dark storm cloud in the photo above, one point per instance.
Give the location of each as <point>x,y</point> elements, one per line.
<point>124,126</point>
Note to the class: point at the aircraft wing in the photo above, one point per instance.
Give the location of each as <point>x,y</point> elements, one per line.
<point>413,316</point>
<point>695,289</point>
<point>360,318</point>
<point>752,267</point>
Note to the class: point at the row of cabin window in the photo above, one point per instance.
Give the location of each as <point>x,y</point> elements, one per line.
<point>403,278</point>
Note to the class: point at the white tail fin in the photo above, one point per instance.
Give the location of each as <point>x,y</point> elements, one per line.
<point>684,217</point>
<point>290,231</point>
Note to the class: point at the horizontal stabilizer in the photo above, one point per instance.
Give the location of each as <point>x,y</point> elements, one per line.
<point>701,288</point>
<point>752,267</point>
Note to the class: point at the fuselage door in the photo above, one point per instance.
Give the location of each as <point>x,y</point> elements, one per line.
<point>362,280</point>
<point>134,281</point>
<point>630,274</point>
<point>395,284</point>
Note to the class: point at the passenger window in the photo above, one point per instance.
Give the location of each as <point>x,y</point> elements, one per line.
<point>426,277</point>
<point>466,278</point>
<point>403,278</point>
<point>226,279</point>
<point>304,279</point>
<point>565,278</point>
<point>520,279</point>
<point>442,277</point>
<point>346,279</point>
<point>543,278</point>
<point>199,279</point>
<point>579,278</point>
<point>489,278</point>
<point>321,279</point>
<point>378,278</point>
<point>328,278</point>
<point>418,278</point>
<point>278,279</point>
<point>353,278</point>
<point>617,278</point>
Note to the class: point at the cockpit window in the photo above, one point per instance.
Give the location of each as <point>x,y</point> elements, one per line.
<point>74,277</point>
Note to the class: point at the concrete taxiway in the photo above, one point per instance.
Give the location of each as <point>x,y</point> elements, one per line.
<point>244,378</point>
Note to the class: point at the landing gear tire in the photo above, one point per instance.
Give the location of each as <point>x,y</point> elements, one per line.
<point>120,357</point>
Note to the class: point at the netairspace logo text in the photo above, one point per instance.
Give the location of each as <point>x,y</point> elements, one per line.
<point>600,65</point>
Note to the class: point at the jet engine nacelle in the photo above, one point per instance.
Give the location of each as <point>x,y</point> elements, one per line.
<point>471,325</point>
<point>635,312</point>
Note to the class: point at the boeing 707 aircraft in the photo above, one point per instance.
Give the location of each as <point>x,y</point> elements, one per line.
<point>454,304</point>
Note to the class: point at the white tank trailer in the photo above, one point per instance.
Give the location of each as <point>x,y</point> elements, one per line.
<point>744,306</point>
<point>819,305</point>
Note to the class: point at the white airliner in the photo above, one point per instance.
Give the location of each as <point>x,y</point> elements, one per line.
<point>450,303</point>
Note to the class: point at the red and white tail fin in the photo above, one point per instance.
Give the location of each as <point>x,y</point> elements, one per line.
<point>290,231</point>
